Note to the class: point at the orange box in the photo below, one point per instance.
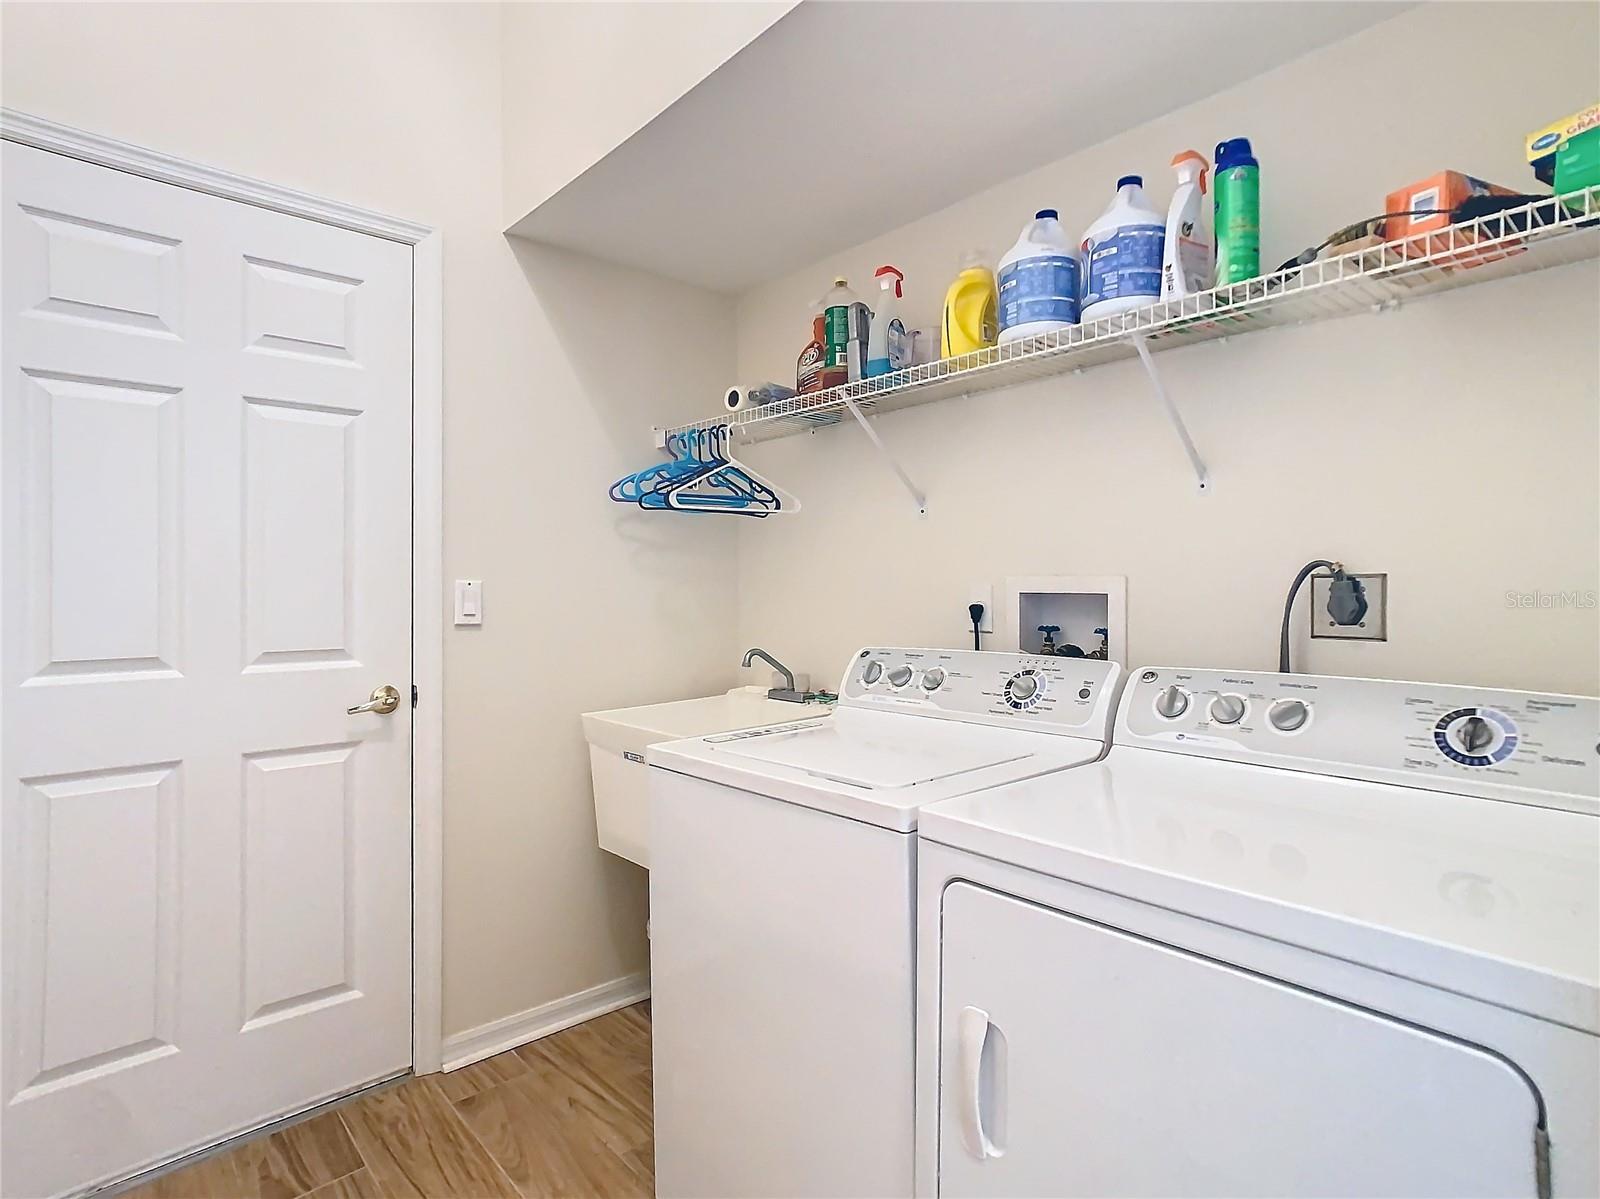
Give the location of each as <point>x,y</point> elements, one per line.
<point>1445,191</point>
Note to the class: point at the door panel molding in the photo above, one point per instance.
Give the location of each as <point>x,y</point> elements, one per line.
<point>427,611</point>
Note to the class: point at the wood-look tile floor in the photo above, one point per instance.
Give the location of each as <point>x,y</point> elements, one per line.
<point>569,1115</point>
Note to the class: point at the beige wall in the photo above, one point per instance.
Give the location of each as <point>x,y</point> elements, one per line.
<point>580,79</point>
<point>1451,444</point>
<point>397,107</point>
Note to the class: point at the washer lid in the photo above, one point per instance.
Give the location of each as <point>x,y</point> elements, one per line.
<point>876,757</point>
<point>876,767</point>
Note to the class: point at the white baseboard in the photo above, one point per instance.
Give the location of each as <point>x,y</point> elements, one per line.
<point>475,1044</point>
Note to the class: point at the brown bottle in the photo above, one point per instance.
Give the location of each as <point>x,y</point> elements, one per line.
<point>808,370</point>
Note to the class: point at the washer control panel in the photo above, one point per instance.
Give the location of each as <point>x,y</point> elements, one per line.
<point>1502,744</point>
<point>1067,695</point>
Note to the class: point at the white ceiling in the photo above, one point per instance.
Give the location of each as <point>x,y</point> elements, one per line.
<point>826,130</point>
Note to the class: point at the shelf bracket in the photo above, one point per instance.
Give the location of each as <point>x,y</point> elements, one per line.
<point>917,496</point>
<point>1202,476</point>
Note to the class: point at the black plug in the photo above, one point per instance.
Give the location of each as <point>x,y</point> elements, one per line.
<point>976,612</point>
<point>1347,599</point>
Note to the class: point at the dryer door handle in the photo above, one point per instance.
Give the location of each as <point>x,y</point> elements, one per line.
<point>981,1058</point>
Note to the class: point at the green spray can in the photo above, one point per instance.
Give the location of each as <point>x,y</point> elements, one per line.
<point>1237,212</point>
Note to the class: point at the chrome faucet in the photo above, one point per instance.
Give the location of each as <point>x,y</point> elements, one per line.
<point>788,694</point>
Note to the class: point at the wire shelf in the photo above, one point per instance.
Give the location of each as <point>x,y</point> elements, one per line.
<point>1518,241</point>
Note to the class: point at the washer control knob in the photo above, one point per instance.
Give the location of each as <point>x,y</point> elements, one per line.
<point>1474,735</point>
<point>1172,702</point>
<point>872,672</point>
<point>1287,715</point>
<point>900,676</point>
<point>1227,709</point>
<point>1023,686</point>
<point>933,679</point>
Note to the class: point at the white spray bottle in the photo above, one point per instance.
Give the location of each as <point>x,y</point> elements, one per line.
<point>888,343</point>
<point>1188,257</point>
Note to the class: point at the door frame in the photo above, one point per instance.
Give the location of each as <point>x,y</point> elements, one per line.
<point>427,516</point>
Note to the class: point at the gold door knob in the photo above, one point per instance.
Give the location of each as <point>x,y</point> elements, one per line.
<point>384,700</point>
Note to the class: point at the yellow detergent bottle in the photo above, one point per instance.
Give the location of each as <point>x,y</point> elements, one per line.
<point>971,319</point>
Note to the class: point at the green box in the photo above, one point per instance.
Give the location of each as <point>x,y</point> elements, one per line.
<point>1578,162</point>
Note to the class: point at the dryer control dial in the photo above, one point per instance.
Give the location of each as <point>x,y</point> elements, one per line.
<point>1473,735</point>
<point>1476,736</point>
<point>1227,709</point>
<point>1172,702</point>
<point>1288,715</point>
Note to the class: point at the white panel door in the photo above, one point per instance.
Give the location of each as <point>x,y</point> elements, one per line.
<point>1075,1060</point>
<point>206,464</point>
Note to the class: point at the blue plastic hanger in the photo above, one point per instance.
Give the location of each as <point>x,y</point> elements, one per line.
<point>702,477</point>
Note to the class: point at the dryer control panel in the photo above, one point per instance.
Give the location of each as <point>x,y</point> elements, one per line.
<point>1044,694</point>
<point>1542,749</point>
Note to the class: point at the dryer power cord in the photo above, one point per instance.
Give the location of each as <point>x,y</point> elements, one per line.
<point>1347,602</point>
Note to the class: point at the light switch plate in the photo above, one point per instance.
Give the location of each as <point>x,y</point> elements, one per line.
<point>469,601</point>
<point>982,593</point>
<point>1375,627</point>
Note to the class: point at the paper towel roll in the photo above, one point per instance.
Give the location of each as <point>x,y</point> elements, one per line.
<point>738,399</point>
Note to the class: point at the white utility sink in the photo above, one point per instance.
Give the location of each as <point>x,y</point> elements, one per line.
<point>618,738</point>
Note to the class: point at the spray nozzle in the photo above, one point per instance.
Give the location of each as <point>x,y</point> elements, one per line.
<point>1191,167</point>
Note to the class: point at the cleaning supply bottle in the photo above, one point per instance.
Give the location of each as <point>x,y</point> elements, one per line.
<point>1038,281</point>
<point>840,322</point>
<point>1186,257</point>
<point>1238,212</point>
<point>808,368</point>
<point>970,322</point>
<point>1122,254</point>
<point>856,347</point>
<point>888,343</point>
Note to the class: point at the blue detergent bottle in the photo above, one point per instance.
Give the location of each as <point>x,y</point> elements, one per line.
<point>1121,254</point>
<point>1038,281</point>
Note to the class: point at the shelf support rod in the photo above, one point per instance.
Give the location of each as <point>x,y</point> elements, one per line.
<point>1202,476</point>
<point>917,496</point>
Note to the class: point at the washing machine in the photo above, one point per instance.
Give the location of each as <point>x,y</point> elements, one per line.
<point>1292,936</point>
<point>782,896</point>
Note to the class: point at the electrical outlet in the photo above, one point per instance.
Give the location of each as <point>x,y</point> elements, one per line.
<point>1374,627</point>
<point>982,593</point>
